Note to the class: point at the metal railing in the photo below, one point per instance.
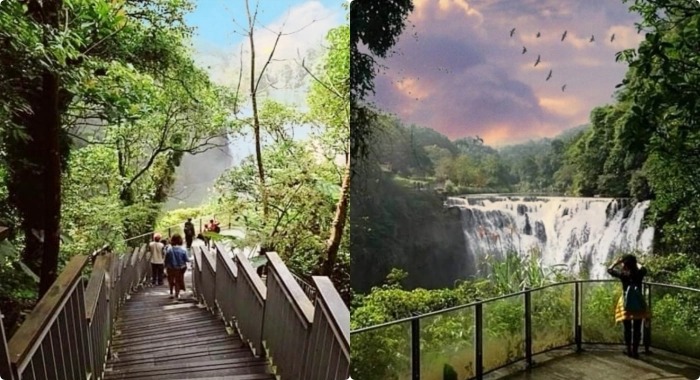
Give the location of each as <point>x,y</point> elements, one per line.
<point>198,222</point>
<point>67,335</point>
<point>302,339</point>
<point>309,290</point>
<point>484,336</point>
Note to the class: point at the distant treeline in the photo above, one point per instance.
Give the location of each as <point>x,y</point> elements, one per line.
<point>468,165</point>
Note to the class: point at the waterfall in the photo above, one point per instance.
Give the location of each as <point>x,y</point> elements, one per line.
<point>580,233</point>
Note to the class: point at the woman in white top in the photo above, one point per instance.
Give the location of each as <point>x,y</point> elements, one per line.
<point>157,260</point>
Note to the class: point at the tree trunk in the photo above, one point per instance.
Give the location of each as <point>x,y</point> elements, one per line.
<point>52,178</point>
<point>49,119</point>
<point>256,119</point>
<point>341,214</point>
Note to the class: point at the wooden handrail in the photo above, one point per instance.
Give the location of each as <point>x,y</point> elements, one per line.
<point>304,340</point>
<point>228,261</point>
<point>95,284</point>
<point>199,262</point>
<point>35,326</point>
<point>336,307</point>
<point>295,295</point>
<point>252,276</point>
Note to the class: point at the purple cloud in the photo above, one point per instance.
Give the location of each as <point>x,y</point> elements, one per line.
<point>459,71</point>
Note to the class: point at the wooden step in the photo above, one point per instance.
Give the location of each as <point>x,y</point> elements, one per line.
<point>207,368</point>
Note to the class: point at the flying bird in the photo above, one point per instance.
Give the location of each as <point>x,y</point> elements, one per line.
<point>612,38</point>
<point>549,75</point>
<point>592,38</point>
<point>563,88</point>
<point>538,60</point>
<point>538,34</point>
<point>563,35</point>
<point>524,49</point>
<point>512,31</point>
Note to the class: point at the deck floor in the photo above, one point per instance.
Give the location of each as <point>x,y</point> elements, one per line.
<point>159,338</point>
<point>602,363</point>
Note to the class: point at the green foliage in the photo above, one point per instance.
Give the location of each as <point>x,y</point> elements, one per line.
<point>131,103</point>
<point>17,288</point>
<point>376,26</point>
<point>514,272</point>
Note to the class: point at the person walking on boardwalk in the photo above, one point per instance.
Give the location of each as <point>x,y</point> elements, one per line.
<point>631,307</point>
<point>157,260</point>
<point>176,262</point>
<point>189,232</point>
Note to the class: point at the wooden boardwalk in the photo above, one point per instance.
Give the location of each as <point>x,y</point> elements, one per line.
<point>600,363</point>
<point>160,338</point>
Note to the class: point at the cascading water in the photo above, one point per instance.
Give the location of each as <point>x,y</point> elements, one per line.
<point>576,232</point>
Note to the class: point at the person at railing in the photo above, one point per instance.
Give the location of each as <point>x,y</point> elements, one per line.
<point>157,260</point>
<point>631,308</point>
<point>176,262</point>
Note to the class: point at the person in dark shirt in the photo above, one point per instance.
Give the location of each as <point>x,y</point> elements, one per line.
<point>631,275</point>
<point>189,232</point>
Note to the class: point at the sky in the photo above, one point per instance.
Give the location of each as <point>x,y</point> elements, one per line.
<point>458,70</point>
<point>220,23</point>
<point>217,43</point>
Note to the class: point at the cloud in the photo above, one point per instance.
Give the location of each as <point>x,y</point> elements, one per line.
<point>304,28</point>
<point>459,71</point>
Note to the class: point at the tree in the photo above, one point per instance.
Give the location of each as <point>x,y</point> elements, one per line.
<point>51,49</point>
<point>377,26</point>
<point>329,103</point>
<point>662,85</point>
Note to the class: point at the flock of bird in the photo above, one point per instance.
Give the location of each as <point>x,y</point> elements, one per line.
<point>537,61</point>
<point>563,36</point>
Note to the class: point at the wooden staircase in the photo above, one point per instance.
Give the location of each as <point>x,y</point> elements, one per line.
<point>159,338</point>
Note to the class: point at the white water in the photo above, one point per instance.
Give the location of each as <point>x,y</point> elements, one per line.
<point>568,231</point>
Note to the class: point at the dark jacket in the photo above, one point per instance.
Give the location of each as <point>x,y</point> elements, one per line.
<point>628,278</point>
<point>189,229</point>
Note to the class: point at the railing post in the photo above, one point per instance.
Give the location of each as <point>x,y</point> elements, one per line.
<point>415,349</point>
<point>478,341</point>
<point>577,316</point>
<point>647,324</point>
<point>528,327</point>
<point>263,352</point>
<point>5,366</point>
<point>169,233</point>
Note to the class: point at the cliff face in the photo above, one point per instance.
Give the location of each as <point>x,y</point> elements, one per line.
<point>197,175</point>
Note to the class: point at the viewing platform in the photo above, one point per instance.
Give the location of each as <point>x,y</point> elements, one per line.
<point>559,331</point>
<point>604,362</point>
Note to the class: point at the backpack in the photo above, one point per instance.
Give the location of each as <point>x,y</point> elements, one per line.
<point>634,299</point>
